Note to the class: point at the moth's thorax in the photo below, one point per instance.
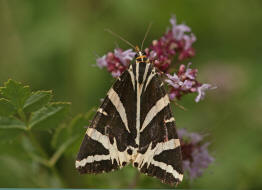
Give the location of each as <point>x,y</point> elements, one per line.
<point>141,57</point>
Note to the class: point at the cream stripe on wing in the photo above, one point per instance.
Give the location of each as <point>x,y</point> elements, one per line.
<point>170,120</point>
<point>141,159</point>
<point>130,71</point>
<point>91,159</point>
<point>145,73</point>
<point>114,154</point>
<point>138,96</point>
<point>168,169</point>
<point>100,110</point>
<point>160,104</point>
<point>162,146</point>
<point>148,157</point>
<point>152,74</point>
<point>114,98</point>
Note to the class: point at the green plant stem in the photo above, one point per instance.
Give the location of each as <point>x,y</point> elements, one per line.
<point>39,148</point>
<point>36,144</point>
<point>60,151</point>
<point>22,115</point>
<point>45,159</point>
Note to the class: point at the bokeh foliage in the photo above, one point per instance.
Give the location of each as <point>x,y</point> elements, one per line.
<point>52,45</point>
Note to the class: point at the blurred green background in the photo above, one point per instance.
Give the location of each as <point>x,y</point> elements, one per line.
<point>52,45</point>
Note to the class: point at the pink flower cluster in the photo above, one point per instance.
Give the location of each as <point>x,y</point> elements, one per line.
<point>184,82</point>
<point>195,153</point>
<point>176,42</point>
<point>170,50</point>
<point>117,62</point>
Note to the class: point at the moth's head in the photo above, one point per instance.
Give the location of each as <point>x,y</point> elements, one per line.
<point>140,56</point>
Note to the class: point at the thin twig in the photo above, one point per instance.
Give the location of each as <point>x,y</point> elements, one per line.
<point>180,106</point>
<point>60,151</point>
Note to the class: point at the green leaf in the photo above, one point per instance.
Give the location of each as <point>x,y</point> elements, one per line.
<point>11,123</point>
<point>15,92</point>
<point>10,128</point>
<point>49,116</point>
<point>32,151</point>
<point>78,124</point>
<point>75,130</point>
<point>6,108</point>
<point>9,135</point>
<point>60,136</point>
<point>37,100</point>
<point>65,137</point>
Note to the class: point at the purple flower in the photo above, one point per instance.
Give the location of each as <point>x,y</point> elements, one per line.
<point>190,73</point>
<point>124,56</point>
<point>189,40</point>
<point>201,90</point>
<point>101,62</point>
<point>182,82</point>
<point>174,80</point>
<point>194,153</point>
<point>117,62</point>
<point>201,160</point>
<point>178,31</point>
<point>176,42</point>
<point>187,84</point>
<point>193,137</point>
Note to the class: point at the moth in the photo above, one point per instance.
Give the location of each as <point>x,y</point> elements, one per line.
<point>134,125</point>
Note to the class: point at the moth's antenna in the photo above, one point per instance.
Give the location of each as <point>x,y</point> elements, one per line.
<point>147,31</point>
<point>120,37</point>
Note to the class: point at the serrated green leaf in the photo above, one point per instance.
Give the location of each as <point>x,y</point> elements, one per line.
<point>49,116</point>
<point>6,108</point>
<point>11,123</point>
<point>37,100</point>
<point>15,92</point>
